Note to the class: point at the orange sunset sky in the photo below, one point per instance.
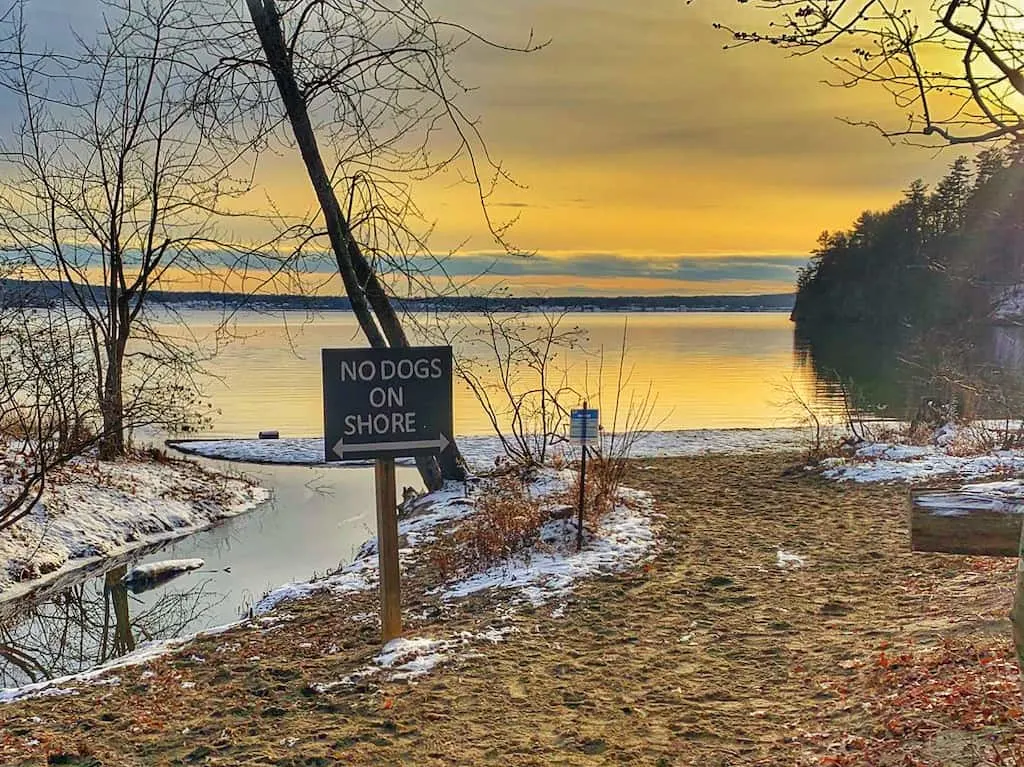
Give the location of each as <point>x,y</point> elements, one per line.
<point>651,160</point>
<point>639,140</point>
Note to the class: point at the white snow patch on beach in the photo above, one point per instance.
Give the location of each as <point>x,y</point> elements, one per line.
<point>93,509</point>
<point>954,451</point>
<point>787,559</point>
<point>623,539</point>
<point>923,465</point>
<point>481,451</point>
<point>408,658</point>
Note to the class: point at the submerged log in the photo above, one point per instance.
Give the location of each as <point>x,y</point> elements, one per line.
<point>145,577</point>
<point>982,519</point>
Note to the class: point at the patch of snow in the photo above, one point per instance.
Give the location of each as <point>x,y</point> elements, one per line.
<point>300,450</point>
<point>95,509</point>
<point>890,452</point>
<point>407,658</point>
<point>1009,305</point>
<point>624,538</point>
<point>946,434</point>
<point>786,559</point>
<point>1004,497</point>
<point>350,578</point>
<point>953,451</point>
<point>481,451</point>
<point>928,465</point>
<point>410,658</point>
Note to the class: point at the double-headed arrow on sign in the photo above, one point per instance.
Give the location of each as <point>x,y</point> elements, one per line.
<point>441,444</point>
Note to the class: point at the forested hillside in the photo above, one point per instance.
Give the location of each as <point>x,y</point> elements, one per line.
<point>937,257</point>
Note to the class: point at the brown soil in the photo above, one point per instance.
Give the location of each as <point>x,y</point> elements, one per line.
<point>710,654</point>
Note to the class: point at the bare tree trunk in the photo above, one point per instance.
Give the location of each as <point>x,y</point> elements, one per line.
<point>451,463</point>
<point>364,290</point>
<point>116,591</point>
<point>266,20</point>
<point>112,442</point>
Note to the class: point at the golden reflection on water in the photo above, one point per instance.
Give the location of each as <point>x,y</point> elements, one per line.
<point>705,370</point>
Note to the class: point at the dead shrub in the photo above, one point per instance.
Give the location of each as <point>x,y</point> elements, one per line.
<point>630,410</point>
<point>506,522</point>
<point>971,440</point>
<point>603,479</point>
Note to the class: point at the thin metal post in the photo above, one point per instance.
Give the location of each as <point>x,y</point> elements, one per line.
<point>583,482</point>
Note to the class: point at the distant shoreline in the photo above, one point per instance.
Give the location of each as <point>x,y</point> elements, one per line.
<point>42,294</point>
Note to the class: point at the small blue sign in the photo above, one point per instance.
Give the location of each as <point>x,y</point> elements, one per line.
<point>583,426</point>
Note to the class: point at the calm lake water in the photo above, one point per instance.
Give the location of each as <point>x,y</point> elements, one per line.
<point>705,371</point>
<point>713,370</point>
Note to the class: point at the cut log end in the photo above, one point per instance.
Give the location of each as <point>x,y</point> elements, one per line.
<point>953,522</point>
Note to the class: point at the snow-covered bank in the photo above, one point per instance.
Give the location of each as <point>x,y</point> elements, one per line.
<point>952,452</point>
<point>143,653</point>
<point>624,538</point>
<point>93,509</point>
<point>480,451</point>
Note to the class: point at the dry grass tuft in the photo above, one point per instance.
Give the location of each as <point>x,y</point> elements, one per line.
<point>603,480</point>
<point>506,522</point>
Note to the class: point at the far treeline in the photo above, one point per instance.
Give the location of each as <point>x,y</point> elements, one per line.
<point>937,258</point>
<point>44,294</point>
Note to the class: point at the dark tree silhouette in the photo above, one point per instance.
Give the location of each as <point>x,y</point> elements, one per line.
<point>367,93</point>
<point>955,67</point>
<point>107,189</point>
<point>940,258</point>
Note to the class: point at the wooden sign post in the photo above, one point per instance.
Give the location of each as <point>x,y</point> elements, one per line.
<point>387,549</point>
<point>383,404</point>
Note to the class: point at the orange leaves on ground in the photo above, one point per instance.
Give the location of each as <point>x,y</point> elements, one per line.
<point>914,695</point>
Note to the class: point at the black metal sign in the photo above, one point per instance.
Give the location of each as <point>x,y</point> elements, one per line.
<point>385,403</point>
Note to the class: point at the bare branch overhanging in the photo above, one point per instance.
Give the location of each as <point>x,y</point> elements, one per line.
<point>955,68</point>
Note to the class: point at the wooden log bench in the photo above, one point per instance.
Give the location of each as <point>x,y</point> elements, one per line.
<point>980,519</point>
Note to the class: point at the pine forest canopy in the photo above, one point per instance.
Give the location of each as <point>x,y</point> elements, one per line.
<point>935,258</point>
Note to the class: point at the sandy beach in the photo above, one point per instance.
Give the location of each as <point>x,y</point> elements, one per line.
<point>781,621</point>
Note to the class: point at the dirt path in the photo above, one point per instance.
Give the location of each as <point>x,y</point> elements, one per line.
<point>711,654</point>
